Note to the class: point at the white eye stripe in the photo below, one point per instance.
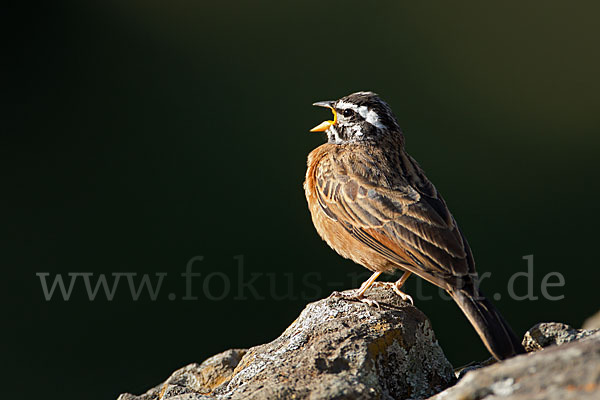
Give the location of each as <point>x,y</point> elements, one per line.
<point>364,111</point>
<point>344,105</point>
<point>369,115</point>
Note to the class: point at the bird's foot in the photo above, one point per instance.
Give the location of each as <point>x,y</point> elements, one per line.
<point>355,297</point>
<point>396,289</point>
<point>335,293</point>
<point>369,302</point>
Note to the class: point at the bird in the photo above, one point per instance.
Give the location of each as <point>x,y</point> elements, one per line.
<point>372,203</point>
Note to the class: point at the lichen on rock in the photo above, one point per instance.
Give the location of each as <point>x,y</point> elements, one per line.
<point>336,348</point>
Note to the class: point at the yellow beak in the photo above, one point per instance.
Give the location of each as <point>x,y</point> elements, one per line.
<point>323,126</point>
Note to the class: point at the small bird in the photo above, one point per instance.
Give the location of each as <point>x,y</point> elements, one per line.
<point>372,203</point>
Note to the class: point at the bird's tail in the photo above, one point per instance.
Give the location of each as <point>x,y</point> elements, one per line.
<point>494,331</point>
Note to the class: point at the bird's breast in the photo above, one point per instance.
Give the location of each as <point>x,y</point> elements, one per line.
<point>332,231</point>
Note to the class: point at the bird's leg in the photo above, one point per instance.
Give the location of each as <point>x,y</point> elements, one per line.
<point>360,292</point>
<point>367,284</point>
<point>399,283</point>
<point>396,286</point>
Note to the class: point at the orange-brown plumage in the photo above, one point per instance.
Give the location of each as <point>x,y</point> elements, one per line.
<point>372,203</point>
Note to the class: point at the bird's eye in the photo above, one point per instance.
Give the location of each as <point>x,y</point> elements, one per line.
<point>348,112</point>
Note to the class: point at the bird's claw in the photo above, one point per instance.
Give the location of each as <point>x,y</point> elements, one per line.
<point>403,296</point>
<point>355,297</point>
<point>369,302</point>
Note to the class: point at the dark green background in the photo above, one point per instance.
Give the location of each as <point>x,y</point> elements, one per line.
<point>142,133</point>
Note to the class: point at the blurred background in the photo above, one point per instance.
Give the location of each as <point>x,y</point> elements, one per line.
<point>141,134</point>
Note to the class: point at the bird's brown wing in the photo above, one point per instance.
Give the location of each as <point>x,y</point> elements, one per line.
<point>407,226</point>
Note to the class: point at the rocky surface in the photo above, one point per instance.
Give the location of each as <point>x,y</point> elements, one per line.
<point>341,349</point>
<point>336,349</point>
<point>567,371</point>
<point>195,381</point>
<point>553,333</point>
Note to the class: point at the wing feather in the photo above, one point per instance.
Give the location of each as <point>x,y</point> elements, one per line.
<point>408,226</point>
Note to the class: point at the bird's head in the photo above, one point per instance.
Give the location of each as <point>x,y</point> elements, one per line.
<point>360,116</point>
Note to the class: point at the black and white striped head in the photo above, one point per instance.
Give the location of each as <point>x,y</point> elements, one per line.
<point>360,116</point>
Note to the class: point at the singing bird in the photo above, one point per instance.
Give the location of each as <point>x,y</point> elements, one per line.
<point>372,203</point>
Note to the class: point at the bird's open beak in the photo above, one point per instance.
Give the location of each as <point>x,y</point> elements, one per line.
<point>323,126</point>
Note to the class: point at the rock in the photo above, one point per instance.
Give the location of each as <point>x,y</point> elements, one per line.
<point>336,349</point>
<point>195,379</point>
<point>592,322</point>
<point>567,371</point>
<point>552,333</point>
<point>461,371</point>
